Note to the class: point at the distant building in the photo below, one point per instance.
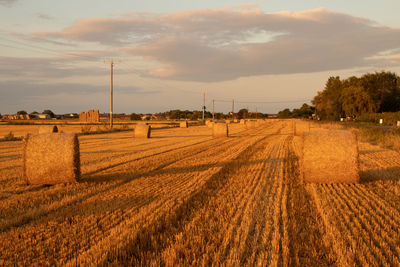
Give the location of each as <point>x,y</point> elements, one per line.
<point>43,116</point>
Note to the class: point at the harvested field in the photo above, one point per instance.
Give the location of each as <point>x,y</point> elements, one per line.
<point>185,198</point>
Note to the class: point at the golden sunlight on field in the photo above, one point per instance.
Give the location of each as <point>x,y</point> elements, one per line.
<point>184,197</point>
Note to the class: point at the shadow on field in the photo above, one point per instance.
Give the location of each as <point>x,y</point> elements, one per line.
<point>384,174</point>
<point>127,177</point>
<point>180,136</point>
<point>365,152</point>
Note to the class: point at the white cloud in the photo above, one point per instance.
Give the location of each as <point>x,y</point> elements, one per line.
<point>7,2</point>
<point>228,43</point>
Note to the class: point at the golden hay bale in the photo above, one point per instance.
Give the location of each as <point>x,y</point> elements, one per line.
<point>300,127</point>
<point>51,159</point>
<point>211,124</point>
<point>220,130</point>
<point>183,124</point>
<point>330,157</point>
<point>228,121</point>
<point>242,121</point>
<point>142,131</point>
<point>251,124</point>
<point>235,120</point>
<point>48,129</point>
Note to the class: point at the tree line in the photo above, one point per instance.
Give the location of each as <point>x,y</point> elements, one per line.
<point>357,97</point>
<point>371,93</point>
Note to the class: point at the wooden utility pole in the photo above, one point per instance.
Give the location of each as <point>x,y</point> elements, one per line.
<point>256,113</point>
<point>112,63</point>
<point>204,102</point>
<point>213,109</point>
<point>233,109</point>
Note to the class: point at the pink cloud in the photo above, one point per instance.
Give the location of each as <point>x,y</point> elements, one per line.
<point>231,42</point>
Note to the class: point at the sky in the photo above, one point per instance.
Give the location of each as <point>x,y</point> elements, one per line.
<point>265,55</point>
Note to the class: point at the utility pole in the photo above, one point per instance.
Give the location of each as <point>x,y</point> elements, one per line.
<point>204,102</point>
<point>233,109</point>
<point>256,113</point>
<point>213,109</point>
<point>112,63</point>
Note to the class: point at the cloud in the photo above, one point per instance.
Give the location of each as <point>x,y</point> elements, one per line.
<point>44,16</point>
<point>227,43</point>
<point>7,3</point>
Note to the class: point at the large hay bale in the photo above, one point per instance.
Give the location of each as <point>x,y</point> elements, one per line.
<point>242,121</point>
<point>330,157</point>
<point>51,159</point>
<point>142,131</point>
<point>211,124</point>
<point>48,129</point>
<point>220,130</point>
<point>183,124</point>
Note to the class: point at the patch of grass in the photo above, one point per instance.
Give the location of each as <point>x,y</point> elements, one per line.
<point>10,137</point>
<point>382,137</point>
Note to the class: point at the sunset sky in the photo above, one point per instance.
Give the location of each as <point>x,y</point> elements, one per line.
<point>267,55</point>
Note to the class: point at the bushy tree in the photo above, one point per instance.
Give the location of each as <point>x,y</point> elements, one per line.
<point>49,112</point>
<point>242,114</point>
<point>356,101</point>
<point>22,112</point>
<point>286,113</point>
<point>135,117</point>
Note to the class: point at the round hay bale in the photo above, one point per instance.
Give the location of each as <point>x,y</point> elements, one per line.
<point>330,157</point>
<point>51,159</point>
<point>48,129</point>
<point>220,130</point>
<point>251,124</point>
<point>183,124</point>
<point>228,121</point>
<point>142,131</point>
<point>242,121</point>
<point>211,124</point>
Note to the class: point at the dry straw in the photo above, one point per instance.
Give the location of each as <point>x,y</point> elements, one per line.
<point>210,124</point>
<point>48,129</point>
<point>251,124</point>
<point>51,159</point>
<point>330,157</point>
<point>300,127</point>
<point>242,121</point>
<point>220,130</point>
<point>183,124</point>
<point>142,131</point>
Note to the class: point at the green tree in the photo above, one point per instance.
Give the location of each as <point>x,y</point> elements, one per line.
<point>135,117</point>
<point>49,112</point>
<point>286,113</point>
<point>242,114</point>
<point>356,101</point>
<point>328,102</point>
<point>22,112</point>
